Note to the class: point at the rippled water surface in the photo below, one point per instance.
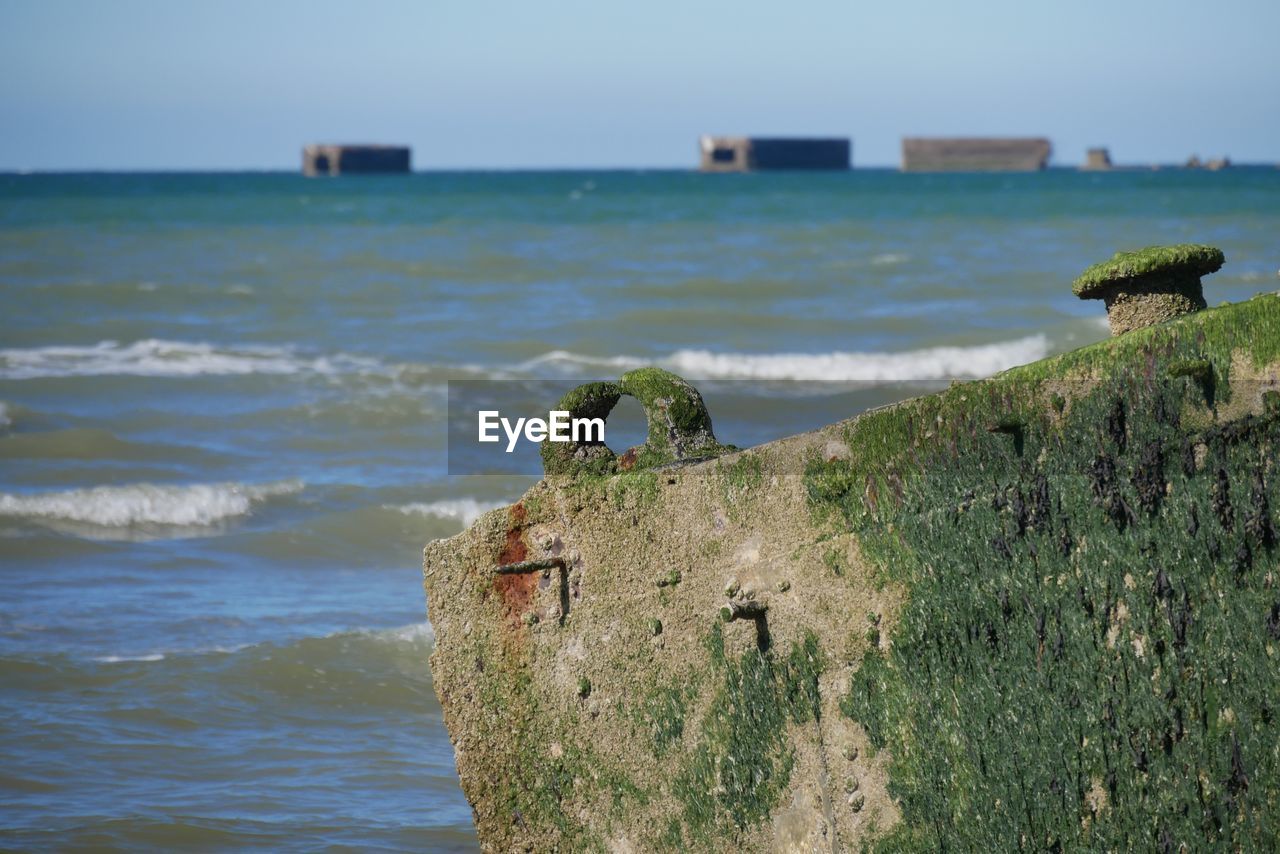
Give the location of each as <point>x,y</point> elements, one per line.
<point>222,446</point>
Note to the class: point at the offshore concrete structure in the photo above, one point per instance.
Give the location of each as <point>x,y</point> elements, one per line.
<point>1034,610</point>
<point>975,154</point>
<point>1097,160</point>
<point>757,153</point>
<point>351,159</point>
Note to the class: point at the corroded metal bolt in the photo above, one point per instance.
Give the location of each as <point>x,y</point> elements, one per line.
<point>540,565</point>
<point>1151,285</point>
<point>731,611</point>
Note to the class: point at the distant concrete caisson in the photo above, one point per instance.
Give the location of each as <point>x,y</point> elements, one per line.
<point>754,153</point>
<point>344,159</point>
<point>1097,160</point>
<point>975,154</point>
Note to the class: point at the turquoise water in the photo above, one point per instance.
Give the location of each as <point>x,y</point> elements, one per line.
<point>222,446</point>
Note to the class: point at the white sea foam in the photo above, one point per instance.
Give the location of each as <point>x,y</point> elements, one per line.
<point>464,510</point>
<point>189,506</point>
<point>931,363</point>
<point>888,258</point>
<point>414,633</point>
<point>117,659</point>
<point>156,358</point>
<point>5,419</point>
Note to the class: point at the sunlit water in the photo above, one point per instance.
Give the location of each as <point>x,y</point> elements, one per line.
<point>221,440</point>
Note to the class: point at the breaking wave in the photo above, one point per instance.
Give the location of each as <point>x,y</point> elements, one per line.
<point>931,363</point>
<point>156,358</point>
<point>464,510</point>
<point>400,638</point>
<point>193,505</point>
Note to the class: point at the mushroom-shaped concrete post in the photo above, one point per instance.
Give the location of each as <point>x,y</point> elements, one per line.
<point>1151,285</point>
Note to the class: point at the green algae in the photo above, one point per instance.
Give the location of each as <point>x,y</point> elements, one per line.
<point>1186,259</point>
<point>743,759</point>
<point>590,400</point>
<point>888,445</point>
<point>1200,370</point>
<point>662,712</point>
<point>1086,655</point>
<point>633,489</point>
<point>740,480</point>
<point>833,560</point>
<point>678,424</point>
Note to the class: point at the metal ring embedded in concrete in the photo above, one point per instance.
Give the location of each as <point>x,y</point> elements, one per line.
<point>679,426</point>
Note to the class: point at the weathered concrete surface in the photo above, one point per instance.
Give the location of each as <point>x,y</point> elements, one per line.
<point>975,154</point>
<point>957,649</point>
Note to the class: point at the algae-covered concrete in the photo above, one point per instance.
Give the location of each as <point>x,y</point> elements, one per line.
<point>1038,610</point>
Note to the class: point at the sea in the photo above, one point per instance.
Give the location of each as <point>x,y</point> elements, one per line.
<point>222,442</point>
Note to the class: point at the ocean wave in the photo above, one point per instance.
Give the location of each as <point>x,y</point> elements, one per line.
<point>6,420</point>
<point>464,510</point>
<point>156,358</point>
<point>931,363</point>
<point>414,634</point>
<point>406,638</point>
<point>126,659</point>
<point>188,506</point>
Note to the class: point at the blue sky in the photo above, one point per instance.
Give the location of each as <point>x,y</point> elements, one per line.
<point>226,84</point>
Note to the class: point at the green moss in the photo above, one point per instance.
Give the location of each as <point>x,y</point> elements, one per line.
<point>742,762</point>
<point>1096,614</point>
<point>833,560</point>
<point>739,481</point>
<point>742,476</point>
<point>670,578</point>
<point>1199,369</point>
<point>678,422</point>
<point>590,400</point>
<point>635,489</point>
<point>888,447</point>
<point>662,391</point>
<point>661,713</point>
<point>1184,259</point>
<point>679,426</point>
